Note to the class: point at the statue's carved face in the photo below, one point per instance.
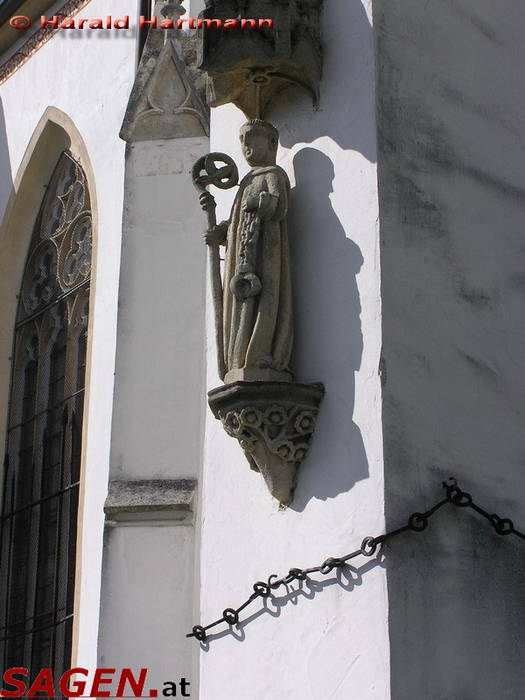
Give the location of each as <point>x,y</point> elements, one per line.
<point>258,146</point>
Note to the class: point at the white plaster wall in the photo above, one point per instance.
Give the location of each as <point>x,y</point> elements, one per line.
<point>149,568</point>
<point>157,430</point>
<point>87,75</point>
<point>451,109</point>
<point>193,8</point>
<point>333,644</point>
<point>159,402</point>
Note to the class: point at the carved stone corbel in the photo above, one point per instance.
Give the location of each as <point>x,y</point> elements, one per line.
<point>274,423</point>
<point>249,67</point>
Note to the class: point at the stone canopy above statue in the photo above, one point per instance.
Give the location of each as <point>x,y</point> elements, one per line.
<point>249,67</point>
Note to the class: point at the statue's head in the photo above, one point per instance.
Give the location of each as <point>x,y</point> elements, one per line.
<point>259,141</point>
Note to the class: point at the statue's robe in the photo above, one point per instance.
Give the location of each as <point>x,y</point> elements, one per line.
<point>258,330</point>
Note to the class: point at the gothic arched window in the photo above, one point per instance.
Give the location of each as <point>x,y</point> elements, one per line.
<point>42,464</point>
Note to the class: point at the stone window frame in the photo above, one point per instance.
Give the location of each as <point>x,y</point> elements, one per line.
<point>54,133</point>
<point>43,447</point>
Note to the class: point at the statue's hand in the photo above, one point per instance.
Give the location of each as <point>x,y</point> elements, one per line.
<point>267,205</point>
<point>216,235</point>
<point>207,201</point>
<point>250,204</point>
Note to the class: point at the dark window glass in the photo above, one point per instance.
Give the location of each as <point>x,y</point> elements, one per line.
<point>42,464</point>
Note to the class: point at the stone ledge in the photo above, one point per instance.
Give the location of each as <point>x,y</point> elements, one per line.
<point>150,499</point>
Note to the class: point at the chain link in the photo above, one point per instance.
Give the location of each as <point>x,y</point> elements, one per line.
<point>417,522</point>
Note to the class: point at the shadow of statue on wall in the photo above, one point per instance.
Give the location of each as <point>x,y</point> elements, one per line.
<point>347,86</point>
<point>328,338</point>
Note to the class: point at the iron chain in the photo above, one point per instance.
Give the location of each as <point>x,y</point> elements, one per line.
<point>417,522</point>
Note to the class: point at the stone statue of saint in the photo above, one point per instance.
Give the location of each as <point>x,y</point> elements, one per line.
<point>257,295</point>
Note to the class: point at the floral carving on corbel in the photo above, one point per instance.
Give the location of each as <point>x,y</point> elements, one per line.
<point>287,432</point>
<point>274,424</point>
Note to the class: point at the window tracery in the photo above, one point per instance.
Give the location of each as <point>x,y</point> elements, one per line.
<point>42,464</point>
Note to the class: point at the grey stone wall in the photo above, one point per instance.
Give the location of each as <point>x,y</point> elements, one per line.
<point>451,121</point>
